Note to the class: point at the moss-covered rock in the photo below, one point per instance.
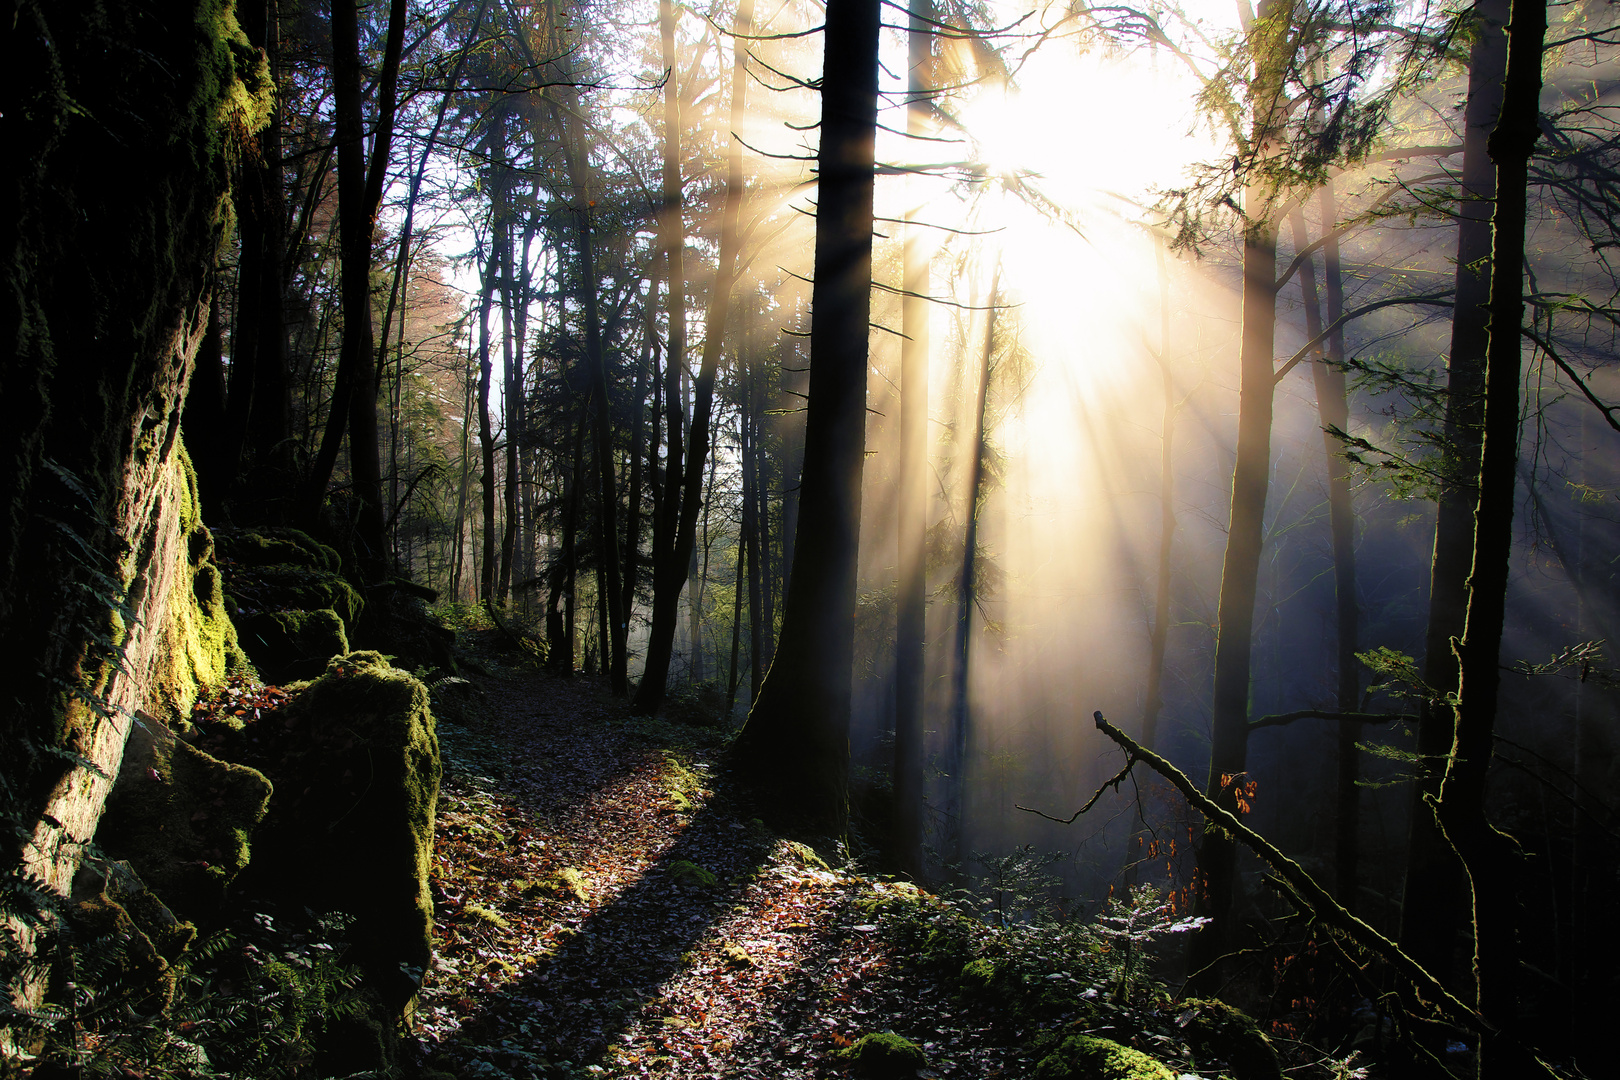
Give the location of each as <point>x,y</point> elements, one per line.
<point>287,645</point>
<point>1218,1031</point>
<point>295,588</point>
<point>1085,1057</point>
<point>356,766</point>
<point>690,875</point>
<point>883,1055</point>
<point>182,818</point>
<point>277,547</point>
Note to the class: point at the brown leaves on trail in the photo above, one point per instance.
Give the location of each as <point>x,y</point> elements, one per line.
<point>694,946</point>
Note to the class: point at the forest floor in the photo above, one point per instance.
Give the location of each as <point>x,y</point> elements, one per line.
<point>606,906</point>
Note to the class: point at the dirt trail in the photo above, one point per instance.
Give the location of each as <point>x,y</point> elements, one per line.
<point>603,912</point>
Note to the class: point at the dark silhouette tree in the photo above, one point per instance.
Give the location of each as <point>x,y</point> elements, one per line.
<point>796,738</point>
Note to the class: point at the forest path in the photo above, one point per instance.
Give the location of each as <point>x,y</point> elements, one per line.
<point>602,911</point>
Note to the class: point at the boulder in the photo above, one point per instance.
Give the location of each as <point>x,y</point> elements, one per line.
<point>355,760</point>
<point>1217,1030</point>
<point>182,818</point>
<point>288,645</point>
<point>1085,1057</point>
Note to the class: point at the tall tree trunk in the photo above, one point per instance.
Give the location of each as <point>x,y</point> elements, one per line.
<point>1333,410</point>
<point>911,600</point>
<point>459,544</point>
<point>1240,571</point>
<point>1594,908</point>
<point>797,734</point>
<point>759,628</point>
<point>737,595</point>
<point>1432,895</point>
<point>661,641</point>
<point>647,366</point>
<point>512,403</point>
<point>359,195</point>
<point>668,573</point>
<point>1491,858</point>
<point>1160,635</point>
<point>486,434</point>
<point>574,155</point>
<point>967,596</point>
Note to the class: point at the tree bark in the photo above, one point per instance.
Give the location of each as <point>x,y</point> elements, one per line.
<point>1333,410</point>
<point>967,595</point>
<point>359,195</point>
<point>911,593</point>
<point>796,739</point>
<point>1432,893</point>
<point>486,434</point>
<point>669,573</point>
<point>1240,571</point>
<point>1490,857</point>
<point>653,679</point>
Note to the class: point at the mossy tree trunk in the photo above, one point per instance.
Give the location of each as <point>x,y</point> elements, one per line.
<point>1431,895</point>
<point>105,279</point>
<point>1490,857</point>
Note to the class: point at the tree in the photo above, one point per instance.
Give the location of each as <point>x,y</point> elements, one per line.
<point>360,190</point>
<point>911,601</point>
<point>1432,894</point>
<point>797,733</point>
<point>1490,856</point>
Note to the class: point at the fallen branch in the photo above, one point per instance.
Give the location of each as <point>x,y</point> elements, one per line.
<point>1317,900</point>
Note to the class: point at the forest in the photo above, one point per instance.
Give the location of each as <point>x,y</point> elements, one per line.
<point>945,538</point>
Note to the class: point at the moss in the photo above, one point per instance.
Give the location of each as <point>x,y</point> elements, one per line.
<point>804,855</point>
<point>484,914</point>
<point>357,771</point>
<point>566,884</point>
<point>287,644</point>
<point>198,643</point>
<point>1085,1057</point>
<point>107,936</point>
<point>691,875</point>
<point>182,818</point>
<point>1217,1030</point>
<point>883,1055</point>
<point>272,547</point>
<point>735,955</point>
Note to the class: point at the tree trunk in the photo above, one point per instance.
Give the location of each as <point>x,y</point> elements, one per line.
<point>259,417</point>
<point>1228,759</point>
<point>1491,858</point>
<point>668,573</point>
<point>656,673</point>
<point>1160,633</point>
<point>967,595</point>
<point>1333,410</point>
<point>486,434</point>
<point>797,734</point>
<point>1433,890</point>
<point>911,593</point>
<point>613,649</point>
<point>759,627</point>
<point>359,195</point>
